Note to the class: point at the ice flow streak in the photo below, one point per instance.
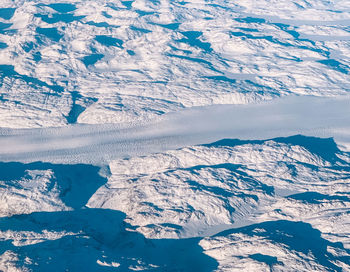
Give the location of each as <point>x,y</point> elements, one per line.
<point>98,144</point>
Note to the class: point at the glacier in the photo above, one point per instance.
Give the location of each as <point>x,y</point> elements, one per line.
<point>168,135</point>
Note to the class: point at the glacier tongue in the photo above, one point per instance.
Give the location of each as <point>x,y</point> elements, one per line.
<point>99,144</point>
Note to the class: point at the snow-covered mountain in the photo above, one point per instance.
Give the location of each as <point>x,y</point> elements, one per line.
<point>117,152</point>
<point>279,204</point>
<point>114,61</point>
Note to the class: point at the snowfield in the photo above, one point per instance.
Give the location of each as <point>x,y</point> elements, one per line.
<point>161,135</point>
<point>254,205</point>
<point>95,62</point>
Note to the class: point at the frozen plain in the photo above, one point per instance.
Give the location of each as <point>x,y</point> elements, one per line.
<point>164,120</point>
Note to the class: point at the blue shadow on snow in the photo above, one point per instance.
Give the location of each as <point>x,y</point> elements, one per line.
<point>109,41</point>
<point>100,234</point>
<point>325,148</point>
<point>50,32</point>
<point>77,183</point>
<point>296,236</point>
<point>7,13</point>
<point>9,71</point>
<point>63,7</point>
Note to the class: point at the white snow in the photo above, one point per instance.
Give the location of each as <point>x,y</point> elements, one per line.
<point>107,110</point>
<point>30,194</point>
<point>98,144</point>
<point>168,55</point>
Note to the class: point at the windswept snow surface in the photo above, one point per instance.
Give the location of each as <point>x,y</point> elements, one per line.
<point>161,135</point>
<point>96,62</point>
